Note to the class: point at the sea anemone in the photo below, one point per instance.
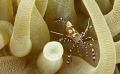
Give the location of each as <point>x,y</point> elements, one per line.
<point>28,47</point>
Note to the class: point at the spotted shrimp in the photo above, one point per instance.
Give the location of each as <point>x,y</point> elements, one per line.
<point>77,38</point>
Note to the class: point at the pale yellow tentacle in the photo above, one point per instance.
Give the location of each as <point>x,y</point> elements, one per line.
<point>20,43</point>
<point>41,6</point>
<point>107,60</point>
<point>117,46</point>
<point>11,65</point>
<point>39,33</point>
<point>113,18</point>
<point>50,60</point>
<point>6,10</point>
